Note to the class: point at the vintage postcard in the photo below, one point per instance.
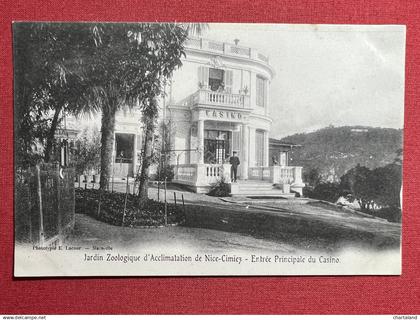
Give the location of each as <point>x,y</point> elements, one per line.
<point>208,149</point>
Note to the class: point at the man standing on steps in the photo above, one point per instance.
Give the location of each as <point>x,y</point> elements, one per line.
<point>234,161</point>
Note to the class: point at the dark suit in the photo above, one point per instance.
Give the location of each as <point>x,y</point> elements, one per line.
<point>234,161</point>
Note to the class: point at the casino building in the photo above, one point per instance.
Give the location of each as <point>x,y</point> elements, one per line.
<point>216,103</point>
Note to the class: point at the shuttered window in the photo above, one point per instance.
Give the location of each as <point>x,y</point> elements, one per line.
<point>228,81</point>
<point>261,91</point>
<point>203,76</point>
<point>215,79</point>
<point>259,148</point>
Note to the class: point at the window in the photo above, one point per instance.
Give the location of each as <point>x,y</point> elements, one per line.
<point>283,158</point>
<point>216,146</point>
<point>216,79</point>
<point>259,148</point>
<point>261,91</point>
<point>124,145</point>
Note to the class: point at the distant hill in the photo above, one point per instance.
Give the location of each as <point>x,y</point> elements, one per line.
<point>334,150</point>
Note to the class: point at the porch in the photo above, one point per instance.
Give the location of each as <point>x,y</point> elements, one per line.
<point>262,181</point>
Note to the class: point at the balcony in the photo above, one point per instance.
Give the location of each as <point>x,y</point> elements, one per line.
<point>223,99</point>
<point>226,49</point>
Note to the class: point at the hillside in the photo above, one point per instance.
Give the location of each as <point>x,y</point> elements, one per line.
<point>334,150</point>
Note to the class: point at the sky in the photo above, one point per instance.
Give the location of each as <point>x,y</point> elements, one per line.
<point>328,74</point>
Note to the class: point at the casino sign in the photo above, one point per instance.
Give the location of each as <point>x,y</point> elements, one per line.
<point>221,115</point>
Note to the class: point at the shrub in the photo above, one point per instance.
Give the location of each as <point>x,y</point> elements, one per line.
<point>328,191</point>
<point>149,213</point>
<point>164,171</point>
<point>392,214</point>
<point>220,189</point>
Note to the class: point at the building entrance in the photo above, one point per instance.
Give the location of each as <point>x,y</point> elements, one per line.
<point>216,146</point>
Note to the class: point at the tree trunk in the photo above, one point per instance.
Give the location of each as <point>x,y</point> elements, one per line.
<point>107,144</point>
<point>146,160</point>
<point>51,134</point>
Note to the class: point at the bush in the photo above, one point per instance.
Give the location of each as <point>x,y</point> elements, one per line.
<point>150,213</point>
<point>327,191</point>
<point>220,189</point>
<point>392,214</point>
<point>164,171</point>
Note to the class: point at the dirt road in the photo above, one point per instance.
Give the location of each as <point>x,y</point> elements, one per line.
<point>285,225</point>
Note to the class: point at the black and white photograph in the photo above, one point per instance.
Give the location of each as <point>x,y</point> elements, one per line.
<point>188,149</point>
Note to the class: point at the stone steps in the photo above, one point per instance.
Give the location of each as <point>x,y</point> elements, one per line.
<point>257,188</point>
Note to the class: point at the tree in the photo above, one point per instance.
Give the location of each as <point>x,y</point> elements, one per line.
<point>150,110</point>
<point>121,65</point>
<point>87,153</point>
<point>313,177</point>
<point>164,145</point>
<point>387,181</point>
<point>360,183</point>
<point>109,65</point>
<point>43,88</point>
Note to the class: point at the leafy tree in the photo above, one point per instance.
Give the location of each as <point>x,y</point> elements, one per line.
<point>165,169</point>
<point>125,65</point>
<point>360,183</point>
<point>44,91</point>
<point>312,177</point>
<point>387,181</point>
<point>87,153</point>
<point>150,101</point>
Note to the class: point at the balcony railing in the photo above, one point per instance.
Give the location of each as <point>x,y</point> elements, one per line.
<point>226,48</point>
<point>201,174</point>
<point>215,98</point>
<point>277,174</point>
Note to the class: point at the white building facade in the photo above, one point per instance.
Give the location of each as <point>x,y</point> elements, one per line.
<point>217,103</point>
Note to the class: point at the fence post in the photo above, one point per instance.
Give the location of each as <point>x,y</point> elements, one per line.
<point>127,188</point>
<point>59,213</point>
<point>41,218</point>
<point>166,207</point>
<point>183,203</point>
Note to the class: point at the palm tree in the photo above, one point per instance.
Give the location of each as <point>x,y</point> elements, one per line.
<point>125,65</point>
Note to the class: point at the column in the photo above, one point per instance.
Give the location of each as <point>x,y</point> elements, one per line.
<point>266,149</point>
<point>244,151</point>
<point>135,156</point>
<point>200,137</point>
